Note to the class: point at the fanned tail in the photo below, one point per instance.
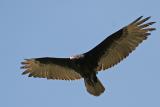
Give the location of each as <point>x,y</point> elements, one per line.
<point>94,88</point>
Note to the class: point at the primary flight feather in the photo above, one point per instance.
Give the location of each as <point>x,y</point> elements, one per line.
<point>108,53</point>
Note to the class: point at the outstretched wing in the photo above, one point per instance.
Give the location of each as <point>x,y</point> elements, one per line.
<point>50,68</point>
<point>117,46</point>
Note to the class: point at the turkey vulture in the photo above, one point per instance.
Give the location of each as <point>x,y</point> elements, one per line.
<point>108,53</point>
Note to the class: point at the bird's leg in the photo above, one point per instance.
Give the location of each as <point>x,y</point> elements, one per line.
<point>91,79</point>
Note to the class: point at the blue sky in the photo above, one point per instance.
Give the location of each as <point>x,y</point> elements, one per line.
<point>61,28</point>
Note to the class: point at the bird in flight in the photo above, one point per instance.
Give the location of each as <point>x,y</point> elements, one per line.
<point>86,66</point>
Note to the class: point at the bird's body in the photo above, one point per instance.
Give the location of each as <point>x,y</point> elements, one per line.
<point>109,52</point>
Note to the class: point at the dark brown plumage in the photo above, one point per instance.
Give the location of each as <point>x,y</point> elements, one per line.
<point>108,53</point>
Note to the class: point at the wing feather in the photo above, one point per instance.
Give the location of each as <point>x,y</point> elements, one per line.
<point>119,45</point>
<point>50,68</point>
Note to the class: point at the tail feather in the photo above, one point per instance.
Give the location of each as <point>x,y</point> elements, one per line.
<point>94,88</point>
